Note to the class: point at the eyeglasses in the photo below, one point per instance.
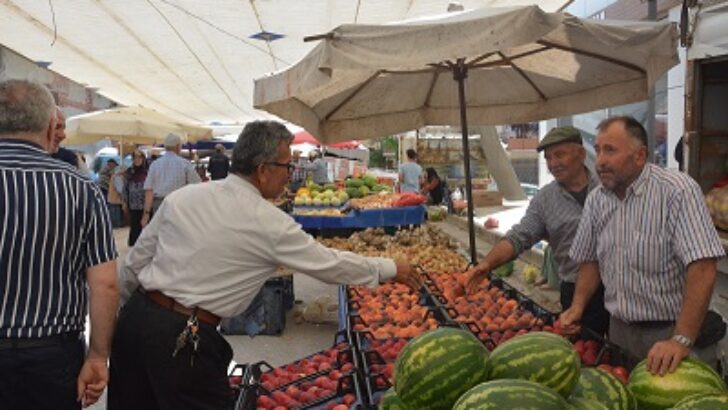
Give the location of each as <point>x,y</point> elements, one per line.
<point>288,165</point>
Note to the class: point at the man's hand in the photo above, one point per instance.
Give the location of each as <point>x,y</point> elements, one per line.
<point>92,381</point>
<point>570,321</point>
<point>145,219</point>
<point>475,276</point>
<point>665,356</point>
<point>408,275</point>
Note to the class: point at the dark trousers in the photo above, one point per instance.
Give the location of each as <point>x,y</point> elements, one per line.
<point>143,373</point>
<point>40,378</point>
<point>595,315</point>
<point>135,225</point>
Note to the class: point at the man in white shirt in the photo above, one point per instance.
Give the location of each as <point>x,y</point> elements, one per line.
<point>207,253</point>
<point>167,174</point>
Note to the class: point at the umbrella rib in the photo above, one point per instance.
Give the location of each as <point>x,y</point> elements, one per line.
<point>479,59</point>
<point>512,58</point>
<point>593,55</point>
<point>352,95</point>
<point>435,75</point>
<point>522,74</point>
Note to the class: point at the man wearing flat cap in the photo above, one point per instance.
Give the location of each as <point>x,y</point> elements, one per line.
<point>554,214</point>
<point>167,174</point>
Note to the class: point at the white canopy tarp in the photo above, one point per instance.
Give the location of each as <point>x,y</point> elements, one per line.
<point>710,37</point>
<point>190,59</point>
<point>524,64</point>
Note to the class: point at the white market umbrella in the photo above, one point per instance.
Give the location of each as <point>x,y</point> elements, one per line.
<point>517,64</point>
<point>136,125</point>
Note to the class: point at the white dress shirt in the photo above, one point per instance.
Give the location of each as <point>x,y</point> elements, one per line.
<point>214,245</point>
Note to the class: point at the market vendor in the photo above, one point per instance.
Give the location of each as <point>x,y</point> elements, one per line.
<point>554,214</point>
<point>205,256</point>
<point>318,168</point>
<point>647,235</point>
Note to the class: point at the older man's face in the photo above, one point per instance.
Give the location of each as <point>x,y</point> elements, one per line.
<point>274,175</point>
<point>59,133</point>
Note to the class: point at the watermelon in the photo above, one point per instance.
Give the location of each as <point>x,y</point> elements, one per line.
<point>543,359</point>
<point>510,394</point>
<point>598,385</point>
<point>390,401</point>
<point>709,401</point>
<point>654,392</point>
<point>437,367</point>
<point>581,403</point>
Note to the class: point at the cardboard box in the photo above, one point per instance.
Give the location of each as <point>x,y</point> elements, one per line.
<point>482,197</point>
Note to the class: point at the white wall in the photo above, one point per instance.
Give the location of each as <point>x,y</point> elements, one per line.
<point>675,99</point>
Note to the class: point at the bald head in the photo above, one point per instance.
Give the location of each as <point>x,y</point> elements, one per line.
<point>26,109</point>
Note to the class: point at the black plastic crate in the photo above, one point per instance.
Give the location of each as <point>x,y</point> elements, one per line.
<point>266,313</point>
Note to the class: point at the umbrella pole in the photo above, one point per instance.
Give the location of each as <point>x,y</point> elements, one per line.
<point>460,73</point>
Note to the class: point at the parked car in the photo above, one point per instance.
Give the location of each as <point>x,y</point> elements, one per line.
<point>529,189</point>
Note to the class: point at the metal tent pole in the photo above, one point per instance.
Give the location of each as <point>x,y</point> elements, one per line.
<point>460,73</point>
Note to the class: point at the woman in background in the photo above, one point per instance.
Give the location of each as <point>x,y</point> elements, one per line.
<point>133,194</point>
<point>432,186</point>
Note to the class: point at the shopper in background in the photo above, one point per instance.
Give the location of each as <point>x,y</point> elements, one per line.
<point>167,174</point>
<point>57,264</point>
<point>133,194</point>
<point>647,235</point>
<point>205,256</point>
<point>298,176</point>
<point>433,186</point>
<point>410,174</point>
<point>219,164</point>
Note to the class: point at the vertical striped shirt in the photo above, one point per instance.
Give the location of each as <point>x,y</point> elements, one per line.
<point>645,242</point>
<point>53,226</point>
<point>169,173</point>
<point>553,214</point>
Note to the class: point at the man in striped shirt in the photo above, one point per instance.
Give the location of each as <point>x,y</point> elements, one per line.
<point>554,214</point>
<point>55,240</point>
<point>646,233</point>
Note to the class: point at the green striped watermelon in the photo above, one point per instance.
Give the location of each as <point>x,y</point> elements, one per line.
<point>661,392</point>
<point>603,387</point>
<point>538,358</point>
<point>709,401</point>
<point>437,367</point>
<point>581,403</point>
<point>390,401</point>
<point>509,394</point>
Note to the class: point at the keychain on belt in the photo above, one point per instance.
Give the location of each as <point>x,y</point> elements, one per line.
<point>189,335</point>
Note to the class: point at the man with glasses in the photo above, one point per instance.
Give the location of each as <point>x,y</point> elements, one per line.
<point>167,174</point>
<point>205,256</point>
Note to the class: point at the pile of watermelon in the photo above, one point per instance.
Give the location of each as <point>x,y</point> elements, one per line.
<point>449,368</point>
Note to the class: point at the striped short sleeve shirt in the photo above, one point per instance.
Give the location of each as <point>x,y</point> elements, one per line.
<point>644,243</point>
<point>54,224</point>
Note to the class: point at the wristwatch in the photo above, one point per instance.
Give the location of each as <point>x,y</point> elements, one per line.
<point>683,340</point>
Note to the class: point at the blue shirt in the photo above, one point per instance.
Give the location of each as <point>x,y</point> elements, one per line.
<point>54,225</point>
<point>411,173</point>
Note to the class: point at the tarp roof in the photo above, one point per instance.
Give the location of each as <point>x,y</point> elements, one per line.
<point>190,59</point>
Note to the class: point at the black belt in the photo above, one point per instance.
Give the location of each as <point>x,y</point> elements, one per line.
<point>29,343</point>
<point>650,324</point>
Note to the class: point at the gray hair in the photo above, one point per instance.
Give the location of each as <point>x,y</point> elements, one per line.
<point>257,144</point>
<point>25,107</point>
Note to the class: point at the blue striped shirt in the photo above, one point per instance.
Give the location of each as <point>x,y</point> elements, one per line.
<point>53,226</point>
<point>645,242</point>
